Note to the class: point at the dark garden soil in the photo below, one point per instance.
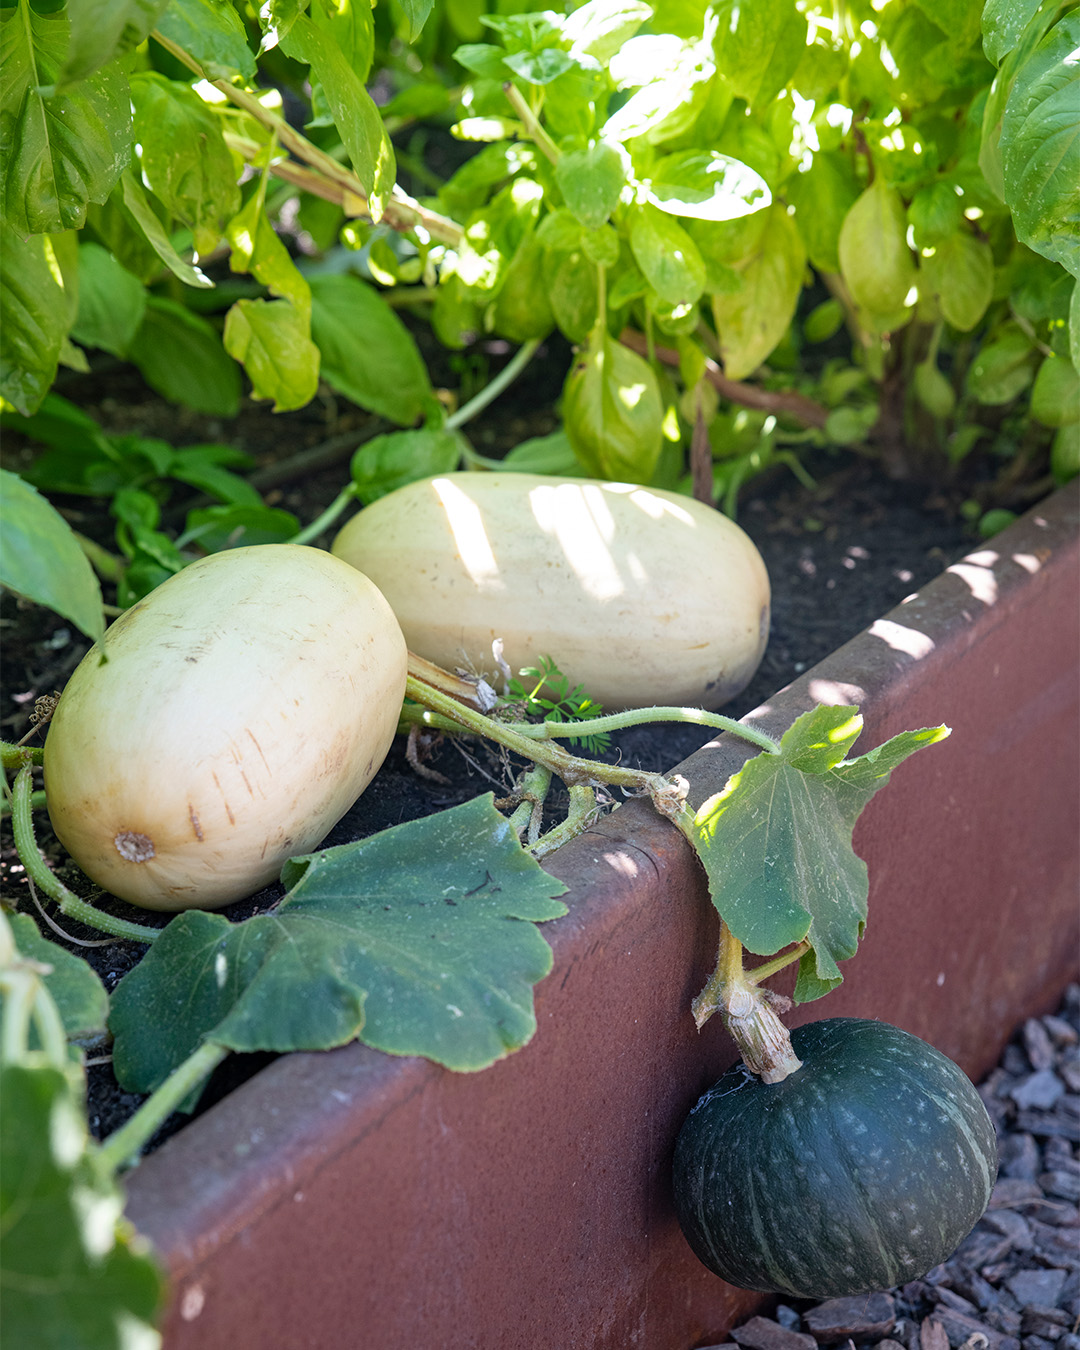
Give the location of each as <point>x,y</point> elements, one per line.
<point>839,556</point>
<point>1014,1283</point>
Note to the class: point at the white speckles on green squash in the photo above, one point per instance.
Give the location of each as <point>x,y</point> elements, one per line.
<point>864,1169</point>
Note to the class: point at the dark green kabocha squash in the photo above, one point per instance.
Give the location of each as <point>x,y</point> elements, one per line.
<point>863,1169</point>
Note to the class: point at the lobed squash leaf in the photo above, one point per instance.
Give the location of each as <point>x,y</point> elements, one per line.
<point>776,842</point>
<point>419,940</point>
<point>72,1272</point>
<point>74,986</point>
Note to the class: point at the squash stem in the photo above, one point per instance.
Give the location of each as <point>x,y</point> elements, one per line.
<point>578,819</point>
<point>124,1144</point>
<point>748,1014</point>
<point>37,870</point>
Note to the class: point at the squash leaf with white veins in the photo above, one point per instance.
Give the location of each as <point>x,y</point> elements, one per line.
<point>776,842</point>
<point>420,940</point>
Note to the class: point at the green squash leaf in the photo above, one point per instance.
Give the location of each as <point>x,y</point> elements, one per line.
<point>60,149</point>
<point>776,842</point>
<point>752,320</point>
<point>112,302</point>
<point>367,352</point>
<point>272,341</point>
<point>73,984</point>
<point>40,558</point>
<point>612,411</point>
<point>1040,147</point>
<point>180,356</point>
<point>420,940</point>
<point>960,276</point>
<point>73,1274</point>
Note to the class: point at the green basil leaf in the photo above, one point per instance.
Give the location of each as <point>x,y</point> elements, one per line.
<point>272,341</point>
<point>523,308</point>
<point>667,256</point>
<point>751,321</point>
<point>599,28</point>
<point>215,528</point>
<point>574,295</point>
<point>758,47</point>
<point>933,390</point>
<point>358,120</point>
<point>822,198</point>
<point>137,205</point>
<point>544,454</point>
<point>483,59</point>
<point>875,260</point>
<point>112,302</point>
<point>960,276</point>
<point>34,318</point>
<point>1002,369</point>
<point>707,185</point>
<point>417,13</point>
<point>41,559</point>
<point>1040,147</point>
<point>935,214</point>
<point>1065,453</point>
<point>256,248</point>
<point>1003,24</point>
<point>540,67</point>
<point>674,82</point>
<point>184,160</point>
<point>612,411</point>
<point>367,352</point>
<point>400,457</point>
<point>213,33</point>
<point>990,148</point>
<point>1055,395</point>
<point>180,356</point>
<point>590,181</point>
<point>102,29</point>
<point>60,149</point>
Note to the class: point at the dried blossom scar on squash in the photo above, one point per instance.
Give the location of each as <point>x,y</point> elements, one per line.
<point>241,709</point>
<point>642,596</point>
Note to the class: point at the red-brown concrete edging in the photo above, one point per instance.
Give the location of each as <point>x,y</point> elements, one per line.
<point>351,1201</point>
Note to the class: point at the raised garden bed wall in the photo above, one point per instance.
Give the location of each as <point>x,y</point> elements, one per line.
<point>349,1199</point>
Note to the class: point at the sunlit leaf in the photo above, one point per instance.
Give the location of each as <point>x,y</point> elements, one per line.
<point>776,842</point>
<point>73,985</point>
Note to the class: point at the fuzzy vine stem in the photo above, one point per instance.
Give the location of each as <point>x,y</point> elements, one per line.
<point>15,756</point>
<point>22,826</point>
<point>639,716</point>
<point>123,1145</point>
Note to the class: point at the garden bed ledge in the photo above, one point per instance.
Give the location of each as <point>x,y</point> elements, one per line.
<point>353,1200</point>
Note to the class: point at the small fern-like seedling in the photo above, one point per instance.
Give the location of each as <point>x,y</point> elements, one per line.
<point>543,691</point>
